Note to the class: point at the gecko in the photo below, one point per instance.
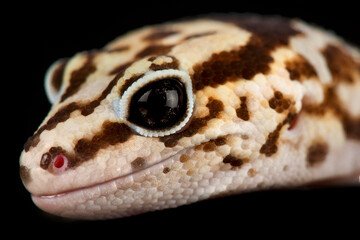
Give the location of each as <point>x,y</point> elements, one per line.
<point>193,109</point>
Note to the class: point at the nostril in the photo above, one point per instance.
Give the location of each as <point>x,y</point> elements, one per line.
<point>60,163</point>
<point>55,160</point>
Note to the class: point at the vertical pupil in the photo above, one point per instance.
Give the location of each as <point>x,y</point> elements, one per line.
<point>158,105</point>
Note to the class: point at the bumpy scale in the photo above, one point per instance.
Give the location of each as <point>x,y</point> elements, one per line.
<point>176,113</point>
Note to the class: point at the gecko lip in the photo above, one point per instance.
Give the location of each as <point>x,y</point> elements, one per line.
<point>134,174</point>
<point>59,203</point>
<point>131,174</point>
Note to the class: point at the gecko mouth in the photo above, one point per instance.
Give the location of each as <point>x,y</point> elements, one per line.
<point>133,174</point>
<point>62,203</point>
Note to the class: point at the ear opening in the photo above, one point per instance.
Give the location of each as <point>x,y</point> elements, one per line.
<point>54,80</point>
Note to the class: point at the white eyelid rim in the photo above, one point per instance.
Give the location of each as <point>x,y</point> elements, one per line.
<point>121,105</point>
<point>51,92</point>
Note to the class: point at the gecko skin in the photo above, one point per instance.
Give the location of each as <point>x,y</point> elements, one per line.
<point>185,111</point>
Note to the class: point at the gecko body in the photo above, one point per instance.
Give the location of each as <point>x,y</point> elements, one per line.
<point>180,112</point>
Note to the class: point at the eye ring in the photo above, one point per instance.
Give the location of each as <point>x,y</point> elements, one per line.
<point>123,105</point>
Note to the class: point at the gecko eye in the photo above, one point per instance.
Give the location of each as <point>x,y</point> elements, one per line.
<point>158,104</point>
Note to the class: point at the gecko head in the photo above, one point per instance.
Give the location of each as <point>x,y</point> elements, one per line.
<point>143,122</point>
<point>104,129</point>
<point>149,134</point>
<point>150,126</point>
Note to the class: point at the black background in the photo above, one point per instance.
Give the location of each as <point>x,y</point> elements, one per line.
<point>39,35</point>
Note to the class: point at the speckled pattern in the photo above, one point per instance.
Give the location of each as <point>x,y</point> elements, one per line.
<point>251,78</point>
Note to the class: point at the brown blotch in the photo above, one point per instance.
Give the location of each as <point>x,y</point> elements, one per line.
<point>58,74</point>
<point>317,154</point>
<point>341,65</point>
<point>111,133</point>
<point>269,147</point>
<point>64,113</point>
<point>166,170</point>
<point>352,127</point>
<point>45,160</point>
<point>120,69</point>
<point>184,158</point>
<point>273,30</point>
<point>279,103</point>
<point>159,34</point>
<point>252,172</point>
<point>199,147</point>
<point>61,116</point>
<point>331,102</point>
<point>209,146</point>
<point>300,69</point>
<point>54,151</point>
<point>230,66</point>
<point>190,172</point>
<point>150,50</point>
<point>89,108</point>
<point>153,58</point>
<point>220,141</point>
<point>138,163</point>
<point>242,112</point>
<point>85,148</point>
<point>34,140</point>
<point>154,50</point>
<point>249,60</point>
<point>214,106</point>
<point>172,65</point>
<point>233,161</point>
<point>78,77</point>
<point>25,174</point>
<point>244,137</point>
<point>199,35</point>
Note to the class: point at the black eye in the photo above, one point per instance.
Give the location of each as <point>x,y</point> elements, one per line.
<point>158,105</point>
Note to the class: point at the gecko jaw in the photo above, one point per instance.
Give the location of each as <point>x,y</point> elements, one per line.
<point>59,203</point>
